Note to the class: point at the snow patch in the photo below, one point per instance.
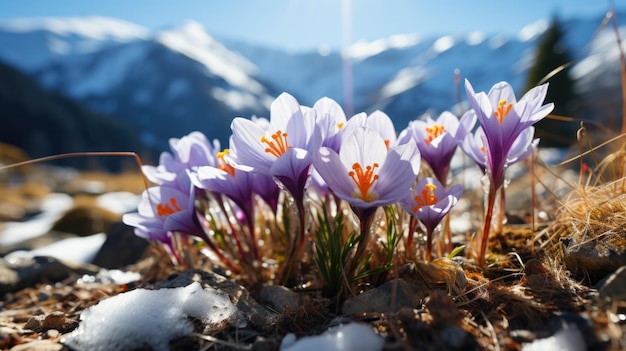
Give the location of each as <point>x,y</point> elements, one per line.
<point>475,38</point>
<point>95,27</point>
<point>78,250</point>
<point>533,31</point>
<point>52,207</point>
<point>141,317</point>
<point>102,77</point>
<point>403,81</point>
<point>194,42</point>
<point>352,336</point>
<point>363,49</point>
<point>443,44</point>
<point>569,338</point>
<point>235,99</point>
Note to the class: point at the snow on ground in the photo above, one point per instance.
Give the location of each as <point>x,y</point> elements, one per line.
<point>78,249</point>
<point>143,317</point>
<point>52,207</point>
<point>352,336</point>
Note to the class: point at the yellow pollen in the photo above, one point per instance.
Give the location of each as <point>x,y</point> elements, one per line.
<point>433,132</point>
<point>278,145</point>
<point>503,109</point>
<point>364,179</point>
<point>340,125</point>
<point>427,198</point>
<point>223,165</point>
<point>164,209</point>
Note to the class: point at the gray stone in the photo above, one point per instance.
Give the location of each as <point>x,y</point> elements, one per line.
<point>281,298</point>
<point>613,288</point>
<point>16,274</point>
<point>389,297</point>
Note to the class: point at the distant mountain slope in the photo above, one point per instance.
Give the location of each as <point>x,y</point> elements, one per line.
<point>168,83</point>
<point>43,123</point>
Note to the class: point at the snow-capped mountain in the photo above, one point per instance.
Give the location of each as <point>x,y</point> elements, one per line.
<point>173,81</point>
<point>166,83</point>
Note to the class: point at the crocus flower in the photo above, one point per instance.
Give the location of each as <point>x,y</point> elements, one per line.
<point>240,187</point>
<point>188,152</point>
<point>280,149</point>
<point>364,173</point>
<point>473,146</point>
<point>378,121</point>
<point>430,202</point>
<point>264,148</point>
<point>164,209</point>
<point>503,119</point>
<point>438,139</point>
<point>330,119</point>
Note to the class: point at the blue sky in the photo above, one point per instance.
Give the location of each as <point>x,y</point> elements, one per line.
<point>307,24</point>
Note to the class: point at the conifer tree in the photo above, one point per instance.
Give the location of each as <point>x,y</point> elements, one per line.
<point>552,54</point>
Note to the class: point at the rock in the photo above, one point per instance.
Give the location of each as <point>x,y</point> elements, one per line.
<point>281,298</point>
<point>121,248</point>
<point>84,220</point>
<point>387,298</point>
<point>16,274</point>
<point>594,258</point>
<point>453,336</point>
<point>253,312</point>
<point>613,287</point>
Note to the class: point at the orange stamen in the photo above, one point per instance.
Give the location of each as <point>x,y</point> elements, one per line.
<point>340,125</point>
<point>364,179</point>
<point>433,132</point>
<point>427,198</point>
<point>223,165</point>
<point>278,146</point>
<point>502,110</point>
<point>164,209</point>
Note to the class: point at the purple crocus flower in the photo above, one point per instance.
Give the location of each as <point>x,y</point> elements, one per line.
<point>188,152</point>
<point>438,139</point>
<point>266,148</point>
<point>367,175</point>
<point>165,209</point>
<point>430,202</point>
<point>280,149</point>
<point>364,173</point>
<point>378,121</point>
<point>330,119</point>
<point>503,120</point>
<point>474,146</point>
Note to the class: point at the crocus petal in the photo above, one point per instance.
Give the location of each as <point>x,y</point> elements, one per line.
<point>332,170</point>
<point>363,146</point>
<point>397,174</point>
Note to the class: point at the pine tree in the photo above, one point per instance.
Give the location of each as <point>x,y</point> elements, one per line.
<point>552,54</point>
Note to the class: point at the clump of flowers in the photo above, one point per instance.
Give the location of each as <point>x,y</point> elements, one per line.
<point>310,186</point>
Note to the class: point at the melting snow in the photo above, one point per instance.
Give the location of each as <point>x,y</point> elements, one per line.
<point>475,38</point>
<point>53,206</point>
<point>533,31</point>
<point>142,317</point>
<point>79,249</point>
<point>193,41</point>
<point>443,44</point>
<point>96,27</point>
<point>363,49</point>
<point>569,339</point>
<point>352,336</point>
<point>238,100</point>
